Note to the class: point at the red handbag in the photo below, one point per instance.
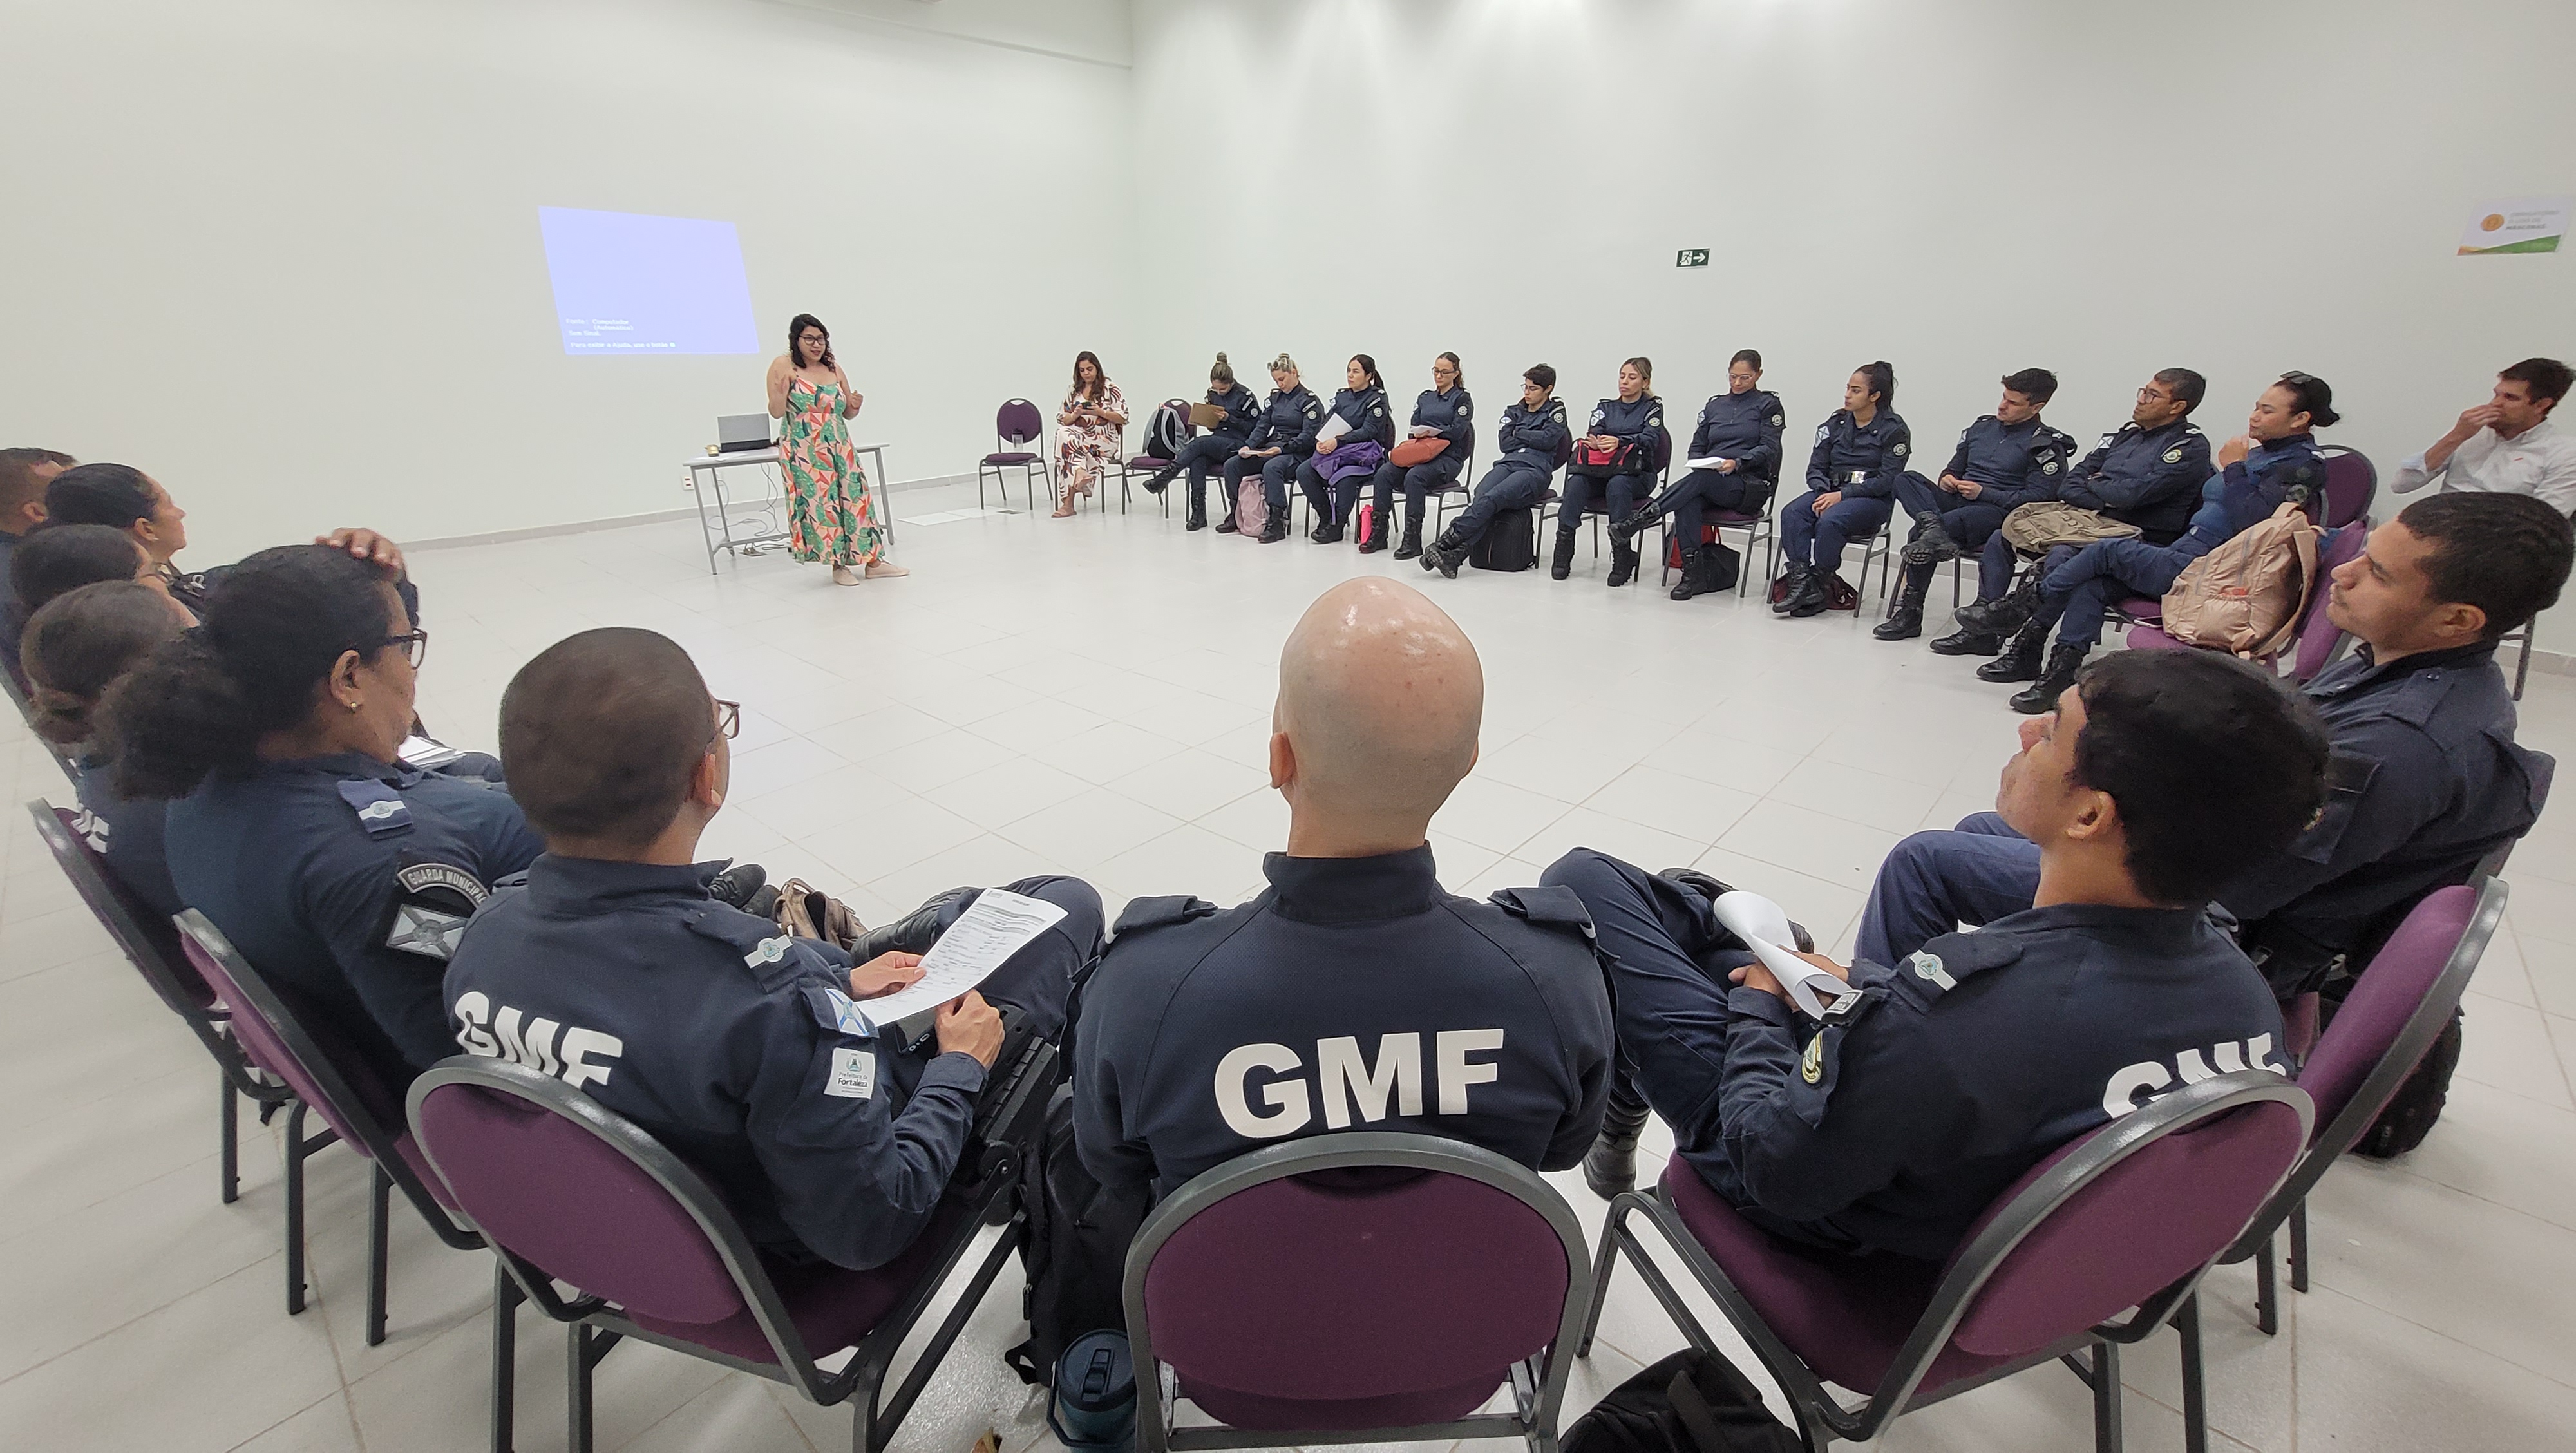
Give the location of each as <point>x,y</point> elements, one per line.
<point>1411,452</point>
<point>1614,459</point>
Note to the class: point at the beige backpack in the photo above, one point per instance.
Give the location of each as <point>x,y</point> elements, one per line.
<point>2248,595</point>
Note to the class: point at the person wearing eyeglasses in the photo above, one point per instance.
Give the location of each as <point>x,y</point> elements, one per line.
<point>274,730</point>
<point>755,1055</point>
<point>2147,473</point>
<point>1446,412</point>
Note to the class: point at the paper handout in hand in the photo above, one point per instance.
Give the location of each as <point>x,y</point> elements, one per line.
<point>1334,428</point>
<point>1765,930</point>
<point>1206,416</point>
<point>994,927</point>
<point>1711,462</point>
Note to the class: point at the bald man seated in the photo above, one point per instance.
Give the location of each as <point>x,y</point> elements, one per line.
<point>1354,994</point>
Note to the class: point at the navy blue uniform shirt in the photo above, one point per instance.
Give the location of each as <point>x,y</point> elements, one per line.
<point>1289,422</point>
<point>1860,461</point>
<point>1896,1123</point>
<point>1744,427</point>
<point>2424,781</point>
<point>736,1045</point>
<point>1353,995</point>
<point>2149,478</point>
<point>2015,463</point>
<point>1242,414</point>
<point>1454,415</point>
<point>1535,437</point>
<point>1367,415</point>
<point>344,880</point>
<point>1641,423</point>
<point>128,833</point>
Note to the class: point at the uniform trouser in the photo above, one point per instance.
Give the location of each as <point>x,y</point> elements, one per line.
<point>1808,538</point>
<point>1668,962</point>
<point>1618,492</point>
<point>1203,456</point>
<point>1421,481</point>
<point>2105,571</point>
<point>1998,560</point>
<point>1703,490</point>
<point>1934,881</point>
<point>1509,485</point>
<point>1334,499</point>
<point>1968,521</point>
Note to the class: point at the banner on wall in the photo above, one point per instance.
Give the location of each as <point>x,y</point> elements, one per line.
<point>2523,224</point>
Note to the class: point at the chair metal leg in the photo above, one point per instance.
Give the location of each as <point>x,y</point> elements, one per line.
<point>2106,1398</point>
<point>1613,1231</point>
<point>577,1365</point>
<point>379,1207</point>
<point>505,1356</point>
<point>2195,1399</point>
<point>2299,1247</point>
<point>228,1133</point>
<point>296,1150</point>
<point>2267,1311</point>
<point>2521,673</point>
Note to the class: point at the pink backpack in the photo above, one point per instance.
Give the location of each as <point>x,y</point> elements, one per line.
<point>1251,508</point>
<point>2250,594</point>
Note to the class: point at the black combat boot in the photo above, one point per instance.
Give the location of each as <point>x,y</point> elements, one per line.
<point>1445,554</point>
<point>1623,561</point>
<point>1412,545</point>
<point>1276,530</point>
<point>1966,640</point>
<point>1226,526</point>
<point>1688,585</point>
<point>1155,482</point>
<point>1563,564</point>
<point>2006,616</point>
<point>1611,1165</point>
<point>734,886</point>
<point>1932,542</point>
<point>1793,581</point>
<point>1328,533</point>
<point>1198,511</point>
<point>1905,621</point>
<point>916,931</point>
<point>1815,595</point>
<point>1639,521</point>
<point>2063,662</point>
<point>2020,660</point>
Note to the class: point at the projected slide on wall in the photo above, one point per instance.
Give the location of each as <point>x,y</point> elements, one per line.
<point>626,283</point>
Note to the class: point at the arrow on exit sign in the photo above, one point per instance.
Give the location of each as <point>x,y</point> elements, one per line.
<point>1691,257</point>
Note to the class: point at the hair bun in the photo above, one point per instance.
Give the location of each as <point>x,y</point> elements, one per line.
<point>1220,355</point>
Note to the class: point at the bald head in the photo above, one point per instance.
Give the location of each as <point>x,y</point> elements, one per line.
<point>1380,698</point>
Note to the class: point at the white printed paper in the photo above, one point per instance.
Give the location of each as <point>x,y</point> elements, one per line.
<point>1334,428</point>
<point>994,927</point>
<point>426,755</point>
<point>1711,462</point>
<point>1765,930</point>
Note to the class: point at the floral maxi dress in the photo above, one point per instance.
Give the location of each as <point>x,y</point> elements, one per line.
<point>829,514</point>
<point>1089,448</point>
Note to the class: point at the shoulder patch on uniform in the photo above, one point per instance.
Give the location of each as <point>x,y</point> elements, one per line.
<point>1555,904</point>
<point>1777,420</point>
<point>834,1010</point>
<point>1598,413</point>
<point>1143,913</point>
<point>854,1075</point>
<point>1900,448</point>
<point>2048,465</point>
<point>1556,411</point>
<point>380,809</point>
<point>1959,955</point>
<point>1928,967</point>
<point>1464,408</point>
<point>418,929</point>
<point>422,877</point>
<point>2174,455</point>
<point>1824,431</point>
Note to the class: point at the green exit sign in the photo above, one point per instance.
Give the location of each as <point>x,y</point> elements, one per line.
<point>1692,257</point>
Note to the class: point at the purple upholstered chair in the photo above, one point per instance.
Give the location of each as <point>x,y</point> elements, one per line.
<point>1128,467</point>
<point>1756,523</point>
<point>2130,1216</point>
<point>2319,643</point>
<point>1356,1288</point>
<point>362,1113</point>
<point>2352,483</point>
<point>569,1192</point>
<point>152,946</point>
<point>1016,424</point>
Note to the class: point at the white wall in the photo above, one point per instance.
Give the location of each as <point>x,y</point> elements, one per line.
<point>1963,188</point>
<point>284,254</point>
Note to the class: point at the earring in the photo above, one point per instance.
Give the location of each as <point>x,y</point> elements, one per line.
<point>353,706</point>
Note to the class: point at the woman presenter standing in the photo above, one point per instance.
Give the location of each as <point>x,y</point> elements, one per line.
<point>829,514</point>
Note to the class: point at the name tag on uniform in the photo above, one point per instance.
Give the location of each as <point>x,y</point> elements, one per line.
<point>854,1075</point>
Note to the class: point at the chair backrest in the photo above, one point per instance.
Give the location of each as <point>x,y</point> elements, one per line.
<point>2320,639</point>
<point>2168,1186</point>
<point>148,941</point>
<point>2352,482</point>
<point>2544,770</point>
<point>1018,421</point>
<point>1276,1292</point>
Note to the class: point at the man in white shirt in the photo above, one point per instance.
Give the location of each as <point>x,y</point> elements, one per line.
<point>2508,445</point>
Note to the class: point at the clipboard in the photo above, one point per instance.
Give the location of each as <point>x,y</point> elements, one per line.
<point>1206,416</point>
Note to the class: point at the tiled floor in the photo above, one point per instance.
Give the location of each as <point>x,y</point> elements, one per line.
<point>1092,696</point>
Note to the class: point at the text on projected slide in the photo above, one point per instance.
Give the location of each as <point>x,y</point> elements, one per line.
<point>626,283</point>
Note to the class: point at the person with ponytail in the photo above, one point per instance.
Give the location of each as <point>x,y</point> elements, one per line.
<point>1445,411</point>
<point>76,647</point>
<point>1851,491</point>
<point>1738,442</point>
<point>1332,477</point>
<point>1614,460</point>
<point>2274,462</point>
<point>273,729</point>
<point>1207,454</point>
<point>1282,438</point>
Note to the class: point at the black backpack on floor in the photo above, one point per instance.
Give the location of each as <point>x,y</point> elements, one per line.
<point>1687,1403</point>
<point>1509,543</point>
<point>1075,1253</point>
